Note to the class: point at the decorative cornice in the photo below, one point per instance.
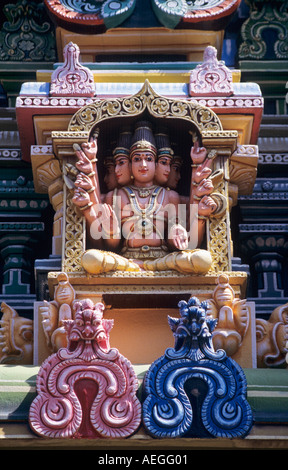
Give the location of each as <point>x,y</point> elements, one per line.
<point>104,14</point>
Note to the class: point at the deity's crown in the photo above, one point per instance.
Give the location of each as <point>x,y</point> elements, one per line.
<point>109,155</point>
<point>143,139</point>
<point>163,143</point>
<point>122,148</point>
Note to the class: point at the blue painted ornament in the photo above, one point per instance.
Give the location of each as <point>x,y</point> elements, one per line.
<point>193,390</point>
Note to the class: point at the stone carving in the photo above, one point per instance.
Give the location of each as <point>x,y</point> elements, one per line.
<point>232,317</point>
<point>16,337</point>
<point>212,77</point>
<point>243,168</point>
<point>55,313</point>
<point>145,100</point>
<point>72,78</point>
<point>27,35</point>
<point>271,338</point>
<point>87,390</point>
<point>138,227</point>
<point>265,16</point>
<point>201,122</point>
<point>193,390</point>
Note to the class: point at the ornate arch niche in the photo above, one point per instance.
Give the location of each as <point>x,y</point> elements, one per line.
<point>181,117</point>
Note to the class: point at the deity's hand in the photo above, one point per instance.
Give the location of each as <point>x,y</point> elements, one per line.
<point>84,182</point>
<point>81,198</point>
<point>86,156</point>
<point>90,149</point>
<point>178,237</point>
<point>206,206</point>
<point>204,188</point>
<point>203,171</point>
<point>108,219</point>
<point>198,154</point>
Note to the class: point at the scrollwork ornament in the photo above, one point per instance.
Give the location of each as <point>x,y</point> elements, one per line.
<point>27,35</point>
<point>146,98</point>
<point>194,368</point>
<point>87,389</point>
<point>264,16</point>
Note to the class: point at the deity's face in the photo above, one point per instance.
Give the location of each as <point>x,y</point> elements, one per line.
<point>110,177</point>
<point>143,166</point>
<point>174,176</point>
<point>162,171</point>
<point>123,170</point>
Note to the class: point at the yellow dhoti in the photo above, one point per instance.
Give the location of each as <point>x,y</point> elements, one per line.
<point>186,261</point>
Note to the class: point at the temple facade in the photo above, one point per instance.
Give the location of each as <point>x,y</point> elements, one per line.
<point>143,224</point>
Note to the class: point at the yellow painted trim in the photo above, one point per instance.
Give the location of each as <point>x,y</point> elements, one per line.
<point>190,43</point>
<point>103,76</point>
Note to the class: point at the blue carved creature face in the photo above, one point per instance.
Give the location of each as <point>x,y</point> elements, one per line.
<point>193,315</point>
<point>196,320</point>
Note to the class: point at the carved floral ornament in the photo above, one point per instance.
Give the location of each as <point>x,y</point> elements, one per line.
<point>212,77</point>
<point>265,17</point>
<point>146,99</point>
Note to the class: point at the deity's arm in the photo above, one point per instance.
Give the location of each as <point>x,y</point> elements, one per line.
<point>177,233</point>
<point>202,186</point>
<point>86,164</point>
<point>82,200</point>
<point>110,220</point>
<point>201,170</point>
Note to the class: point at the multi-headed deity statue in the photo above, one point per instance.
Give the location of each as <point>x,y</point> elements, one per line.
<point>143,223</point>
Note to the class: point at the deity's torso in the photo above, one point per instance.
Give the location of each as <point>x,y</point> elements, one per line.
<point>144,214</point>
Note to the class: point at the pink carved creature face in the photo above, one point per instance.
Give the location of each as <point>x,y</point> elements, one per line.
<point>89,325</point>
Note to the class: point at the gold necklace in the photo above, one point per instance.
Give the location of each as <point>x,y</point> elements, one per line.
<point>143,192</point>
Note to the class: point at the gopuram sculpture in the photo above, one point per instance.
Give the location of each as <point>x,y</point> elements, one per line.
<point>142,186</point>
<point>55,313</point>
<point>150,243</point>
<point>232,316</point>
<point>87,389</point>
<point>193,390</point>
<point>16,337</point>
<point>143,167</point>
<point>271,337</point>
<point>146,195</point>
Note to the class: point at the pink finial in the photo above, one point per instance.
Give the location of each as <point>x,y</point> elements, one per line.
<point>72,78</point>
<point>212,77</point>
